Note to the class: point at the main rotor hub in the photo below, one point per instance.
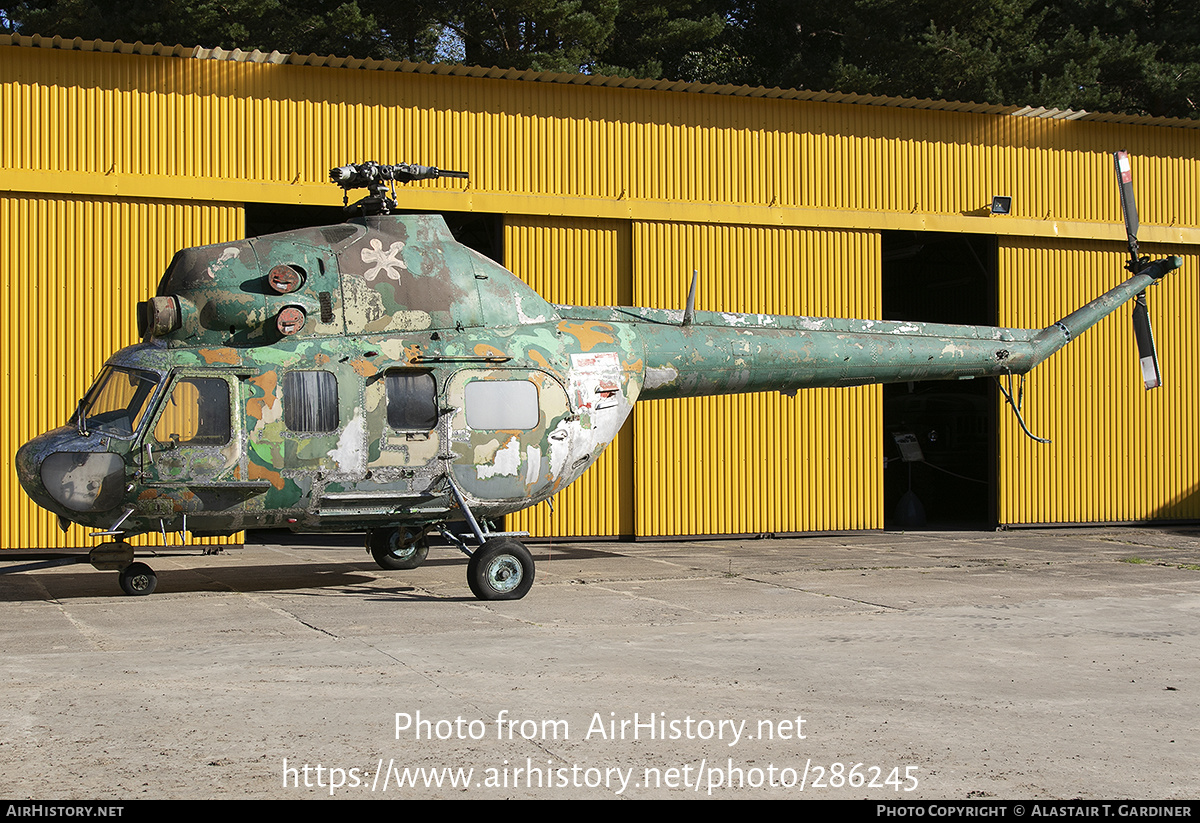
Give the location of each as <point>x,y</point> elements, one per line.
<point>380,179</point>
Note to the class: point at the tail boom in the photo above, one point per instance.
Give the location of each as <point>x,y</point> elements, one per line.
<point>719,353</point>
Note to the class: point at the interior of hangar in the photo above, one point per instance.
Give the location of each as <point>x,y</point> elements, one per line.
<point>603,191</point>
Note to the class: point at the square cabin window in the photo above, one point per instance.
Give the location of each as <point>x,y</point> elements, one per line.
<point>310,401</point>
<point>411,400</point>
<point>502,404</point>
<point>196,413</point>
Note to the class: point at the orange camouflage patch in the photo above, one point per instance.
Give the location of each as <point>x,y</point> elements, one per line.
<point>590,334</point>
<point>255,406</point>
<point>229,356</point>
<point>364,368</point>
<point>258,472</point>
<point>486,350</point>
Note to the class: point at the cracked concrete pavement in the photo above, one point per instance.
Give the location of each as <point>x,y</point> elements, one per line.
<point>934,665</point>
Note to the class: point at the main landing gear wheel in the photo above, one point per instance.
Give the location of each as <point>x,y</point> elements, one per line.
<point>397,549</point>
<point>138,579</point>
<point>500,569</point>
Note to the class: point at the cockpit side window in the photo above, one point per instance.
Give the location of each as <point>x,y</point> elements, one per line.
<point>310,401</point>
<point>196,413</point>
<point>411,400</point>
<point>118,401</point>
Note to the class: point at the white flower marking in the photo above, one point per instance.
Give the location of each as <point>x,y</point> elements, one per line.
<point>385,262</point>
<point>228,253</point>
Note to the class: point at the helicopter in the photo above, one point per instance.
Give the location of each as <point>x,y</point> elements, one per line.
<point>378,375</point>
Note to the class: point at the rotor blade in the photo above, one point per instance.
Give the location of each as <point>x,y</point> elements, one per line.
<point>1128,203</point>
<point>1147,356</point>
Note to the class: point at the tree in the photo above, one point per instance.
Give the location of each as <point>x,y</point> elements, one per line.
<point>367,29</point>
<point>1127,56</point>
<point>547,35</point>
<point>644,37</point>
<point>668,38</point>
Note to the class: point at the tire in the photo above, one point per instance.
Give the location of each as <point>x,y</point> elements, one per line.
<point>138,580</point>
<point>397,549</point>
<point>500,569</point>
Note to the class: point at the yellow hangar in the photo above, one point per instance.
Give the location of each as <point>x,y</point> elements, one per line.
<point>603,191</point>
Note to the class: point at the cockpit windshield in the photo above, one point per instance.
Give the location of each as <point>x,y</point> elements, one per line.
<point>116,403</point>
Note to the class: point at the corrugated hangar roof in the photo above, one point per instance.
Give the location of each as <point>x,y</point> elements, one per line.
<point>529,75</point>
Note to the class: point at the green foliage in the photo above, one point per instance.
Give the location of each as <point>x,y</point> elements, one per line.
<point>668,38</point>
<point>305,26</point>
<point>1129,56</point>
<point>546,35</point>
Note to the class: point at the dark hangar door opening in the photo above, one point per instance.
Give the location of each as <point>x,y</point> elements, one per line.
<point>482,232</point>
<point>939,437</point>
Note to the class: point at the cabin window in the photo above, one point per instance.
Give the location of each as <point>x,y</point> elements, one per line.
<point>310,401</point>
<point>196,413</point>
<point>411,400</point>
<point>116,404</point>
<point>502,404</point>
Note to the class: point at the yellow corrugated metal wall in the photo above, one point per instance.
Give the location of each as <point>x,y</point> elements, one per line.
<point>1119,453</point>
<point>759,463</point>
<point>584,263</point>
<point>697,174</point>
<point>72,270</point>
<point>775,464</point>
<point>216,130</point>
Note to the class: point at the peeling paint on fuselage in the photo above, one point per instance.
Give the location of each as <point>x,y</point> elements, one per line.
<point>663,376</point>
<point>350,454</point>
<point>504,461</point>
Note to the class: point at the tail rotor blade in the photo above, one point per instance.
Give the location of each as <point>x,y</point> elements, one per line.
<point>1128,205</point>
<point>1147,355</point>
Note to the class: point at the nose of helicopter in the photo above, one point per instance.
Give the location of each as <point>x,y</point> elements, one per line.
<point>61,478</point>
<point>28,467</point>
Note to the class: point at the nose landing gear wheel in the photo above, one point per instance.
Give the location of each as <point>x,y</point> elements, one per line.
<point>500,569</point>
<point>397,549</point>
<point>138,579</point>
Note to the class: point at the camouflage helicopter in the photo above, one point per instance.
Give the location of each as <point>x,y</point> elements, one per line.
<point>379,375</point>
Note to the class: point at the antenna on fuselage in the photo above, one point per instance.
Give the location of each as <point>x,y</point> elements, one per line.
<point>689,311</point>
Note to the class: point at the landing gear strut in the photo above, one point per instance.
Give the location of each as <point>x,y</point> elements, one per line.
<point>501,568</point>
<point>137,579</point>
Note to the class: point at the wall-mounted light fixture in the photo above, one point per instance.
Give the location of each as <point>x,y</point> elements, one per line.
<point>1001,205</point>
